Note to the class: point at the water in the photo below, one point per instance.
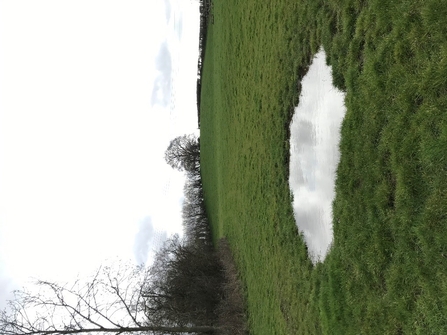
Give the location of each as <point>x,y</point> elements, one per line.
<point>314,156</point>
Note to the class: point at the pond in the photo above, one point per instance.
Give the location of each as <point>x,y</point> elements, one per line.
<point>314,156</point>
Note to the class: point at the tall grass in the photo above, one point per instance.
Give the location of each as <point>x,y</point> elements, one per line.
<point>387,270</point>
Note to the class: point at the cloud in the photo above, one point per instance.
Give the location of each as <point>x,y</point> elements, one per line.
<point>146,240</point>
<point>7,286</point>
<point>161,92</point>
<point>179,26</point>
<point>168,10</point>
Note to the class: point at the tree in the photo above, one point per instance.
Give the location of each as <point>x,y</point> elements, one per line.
<point>183,153</point>
<point>185,284</point>
<point>112,302</point>
<point>195,220</point>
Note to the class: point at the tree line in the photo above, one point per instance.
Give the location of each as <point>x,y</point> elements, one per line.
<point>191,287</point>
<point>206,17</point>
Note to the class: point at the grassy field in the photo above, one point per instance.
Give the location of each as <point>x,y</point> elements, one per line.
<point>387,270</point>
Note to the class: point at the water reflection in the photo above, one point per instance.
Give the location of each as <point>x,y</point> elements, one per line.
<point>314,155</point>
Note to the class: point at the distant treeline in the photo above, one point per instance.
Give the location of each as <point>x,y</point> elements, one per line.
<point>206,17</point>
<point>195,283</point>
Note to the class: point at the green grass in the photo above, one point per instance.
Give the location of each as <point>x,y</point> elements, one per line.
<point>387,271</point>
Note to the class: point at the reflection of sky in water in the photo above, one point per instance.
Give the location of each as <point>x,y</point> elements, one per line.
<point>314,155</point>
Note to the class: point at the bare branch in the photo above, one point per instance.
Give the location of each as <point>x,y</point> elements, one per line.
<point>113,301</point>
<point>115,287</point>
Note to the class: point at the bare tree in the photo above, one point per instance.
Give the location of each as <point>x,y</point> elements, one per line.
<point>195,220</point>
<point>112,302</point>
<point>183,153</point>
<point>185,284</point>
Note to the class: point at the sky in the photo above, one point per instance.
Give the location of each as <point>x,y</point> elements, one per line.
<point>91,93</point>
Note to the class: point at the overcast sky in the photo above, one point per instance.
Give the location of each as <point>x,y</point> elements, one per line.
<point>91,92</point>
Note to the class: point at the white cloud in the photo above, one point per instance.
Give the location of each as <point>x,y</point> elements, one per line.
<point>161,92</point>
<point>7,286</point>
<point>168,8</point>
<point>147,240</point>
